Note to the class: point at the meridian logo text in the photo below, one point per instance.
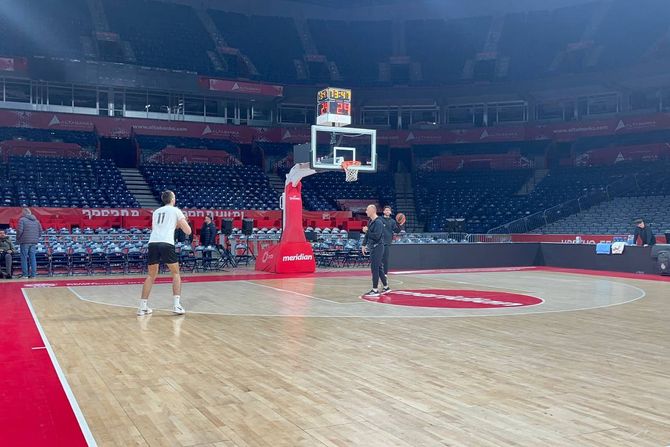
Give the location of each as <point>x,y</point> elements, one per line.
<point>299,257</point>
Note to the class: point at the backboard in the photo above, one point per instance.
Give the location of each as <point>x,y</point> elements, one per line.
<point>330,146</point>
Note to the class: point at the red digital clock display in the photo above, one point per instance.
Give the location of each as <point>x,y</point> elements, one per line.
<point>335,108</point>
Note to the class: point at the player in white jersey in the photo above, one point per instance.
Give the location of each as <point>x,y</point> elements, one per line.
<point>161,250</point>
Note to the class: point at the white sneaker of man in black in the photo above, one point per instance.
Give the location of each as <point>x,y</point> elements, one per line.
<point>373,292</point>
<point>386,290</point>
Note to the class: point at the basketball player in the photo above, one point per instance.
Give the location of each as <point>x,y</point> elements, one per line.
<point>374,241</point>
<point>390,226</point>
<point>161,250</point>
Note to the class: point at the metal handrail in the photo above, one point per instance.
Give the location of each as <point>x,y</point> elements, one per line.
<point>567,208</point>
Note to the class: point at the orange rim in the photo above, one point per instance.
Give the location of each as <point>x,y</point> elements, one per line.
<point>348,163</point>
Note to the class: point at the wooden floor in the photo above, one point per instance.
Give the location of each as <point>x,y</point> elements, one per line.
<point>306,362</point>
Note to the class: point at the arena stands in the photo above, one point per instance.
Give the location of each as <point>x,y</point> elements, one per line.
<point>647,196</point>
<point>474,196</point>
<point>455,41</point>
<point>272,43</point>
<point>487,199</point>
<point>321,192</point>
<point>173,38</point>
<point>357,63</point>
<point>64,182</point>
<point>624,41</point>
<point>615,217</point>
<point>56,28</point>
<point>213,186</point>
<point>551,31</point>
<point>582,37</point>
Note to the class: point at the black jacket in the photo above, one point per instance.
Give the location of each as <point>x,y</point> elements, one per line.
<point>208,234</point>
<point>645,235</point>
<point>390,227</point>
<point>375,234</point>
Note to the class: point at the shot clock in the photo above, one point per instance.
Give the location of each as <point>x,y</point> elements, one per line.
<point>333,107</point>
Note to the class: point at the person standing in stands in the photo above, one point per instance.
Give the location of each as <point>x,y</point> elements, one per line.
<point>161,250</point>
<point>374,242</point>
<point>391,226</point>
<point>6,252</point>
<point>208,237</point>
<point>643,232</point>
<point>28,234</point>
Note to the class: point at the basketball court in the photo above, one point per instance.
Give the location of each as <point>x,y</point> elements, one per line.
<point>519,356</point>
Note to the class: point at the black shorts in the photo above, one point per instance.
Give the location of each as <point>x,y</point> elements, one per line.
<point>161,253</point>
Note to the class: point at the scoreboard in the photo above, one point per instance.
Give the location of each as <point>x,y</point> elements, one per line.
<point>333,106</point>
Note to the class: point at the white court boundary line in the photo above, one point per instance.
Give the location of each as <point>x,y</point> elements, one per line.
<point>279,289</point>
<point>511,314</point>
<point>83,425</point>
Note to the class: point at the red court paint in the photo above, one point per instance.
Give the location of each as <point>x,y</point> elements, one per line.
<point>35,409</point>
<point>455,299</point>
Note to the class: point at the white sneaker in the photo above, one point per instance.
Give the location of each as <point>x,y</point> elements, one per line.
<point>142,312</point>
<point>178,309</point>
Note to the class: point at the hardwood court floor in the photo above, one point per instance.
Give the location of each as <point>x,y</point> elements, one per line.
<point>305,362</point>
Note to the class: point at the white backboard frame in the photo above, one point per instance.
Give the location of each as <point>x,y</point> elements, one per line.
<point>372,167</point>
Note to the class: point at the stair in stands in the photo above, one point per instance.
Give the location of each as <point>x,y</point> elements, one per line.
<point>532,182</point>
<point>276,182</point>
<point>139,188</point>
<point>404,194</point>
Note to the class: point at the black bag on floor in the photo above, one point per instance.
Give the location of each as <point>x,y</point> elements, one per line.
<point>663,263</point>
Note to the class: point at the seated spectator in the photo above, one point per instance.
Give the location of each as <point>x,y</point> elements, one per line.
<point>6,252</point>
<point>644,233</point>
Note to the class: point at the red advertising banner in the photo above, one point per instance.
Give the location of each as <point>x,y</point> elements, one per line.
<point>493,161</point>
<point>13,63</point>
<point>611,155</point>
<point>6,64</point>
<point>181,155</point>
<point>124,127</point>
<point>105,217</point>
<point>611,126</point>
<point>40,149</point>
<point>244,88</point>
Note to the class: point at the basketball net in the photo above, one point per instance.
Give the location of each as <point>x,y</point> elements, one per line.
<point>351,170</point>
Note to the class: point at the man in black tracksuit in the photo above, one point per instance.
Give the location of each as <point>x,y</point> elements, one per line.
<point>207,238</point>
<point>374,242</point>
<point>390,227</point>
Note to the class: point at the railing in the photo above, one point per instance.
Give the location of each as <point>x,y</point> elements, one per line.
<point>454,238</point>
<point>565,209</point>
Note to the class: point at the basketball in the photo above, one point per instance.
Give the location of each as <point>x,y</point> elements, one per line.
<point>401,218</point>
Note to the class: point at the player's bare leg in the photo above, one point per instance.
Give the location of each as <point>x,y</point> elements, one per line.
<point>176,288</point>
<point>152,272</point>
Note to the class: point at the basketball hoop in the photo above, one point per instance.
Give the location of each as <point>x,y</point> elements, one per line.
<point>351,169</point>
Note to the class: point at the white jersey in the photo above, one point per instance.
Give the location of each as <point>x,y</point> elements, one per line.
<point>164,223</point>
